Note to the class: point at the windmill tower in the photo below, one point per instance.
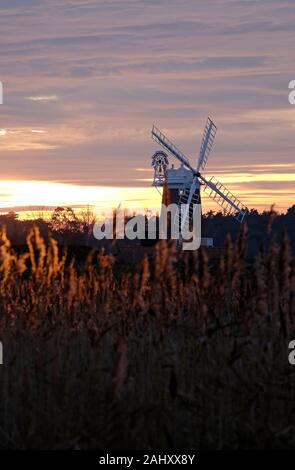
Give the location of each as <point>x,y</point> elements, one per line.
<point>183,184</point>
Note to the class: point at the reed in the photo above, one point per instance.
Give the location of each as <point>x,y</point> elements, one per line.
<point>180,353</point>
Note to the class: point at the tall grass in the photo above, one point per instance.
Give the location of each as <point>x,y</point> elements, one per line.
<point>178,353</point>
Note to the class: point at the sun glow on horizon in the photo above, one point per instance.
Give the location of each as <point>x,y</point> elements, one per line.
<point>25,196</point>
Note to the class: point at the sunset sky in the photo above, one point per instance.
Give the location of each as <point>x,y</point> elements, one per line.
<point>84,81</point>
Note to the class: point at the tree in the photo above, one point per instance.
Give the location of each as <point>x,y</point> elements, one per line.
<point>291,211</point>
<point>64,220</point>
<point>88,219</point>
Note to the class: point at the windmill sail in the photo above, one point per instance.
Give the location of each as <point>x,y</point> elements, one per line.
<point>207,142</point>
<point>187,201</point>
<point>229,203</point>
<point>159,137</point>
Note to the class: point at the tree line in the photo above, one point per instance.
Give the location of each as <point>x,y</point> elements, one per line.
<point>74,227</point>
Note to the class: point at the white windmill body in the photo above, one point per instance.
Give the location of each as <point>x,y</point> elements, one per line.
<point>184,183</point>
<point>178,180</point>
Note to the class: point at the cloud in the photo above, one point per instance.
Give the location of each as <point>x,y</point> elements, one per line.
<point>43,98</point>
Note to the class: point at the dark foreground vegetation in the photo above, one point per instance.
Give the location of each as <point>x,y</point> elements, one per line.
<point>173,353</point>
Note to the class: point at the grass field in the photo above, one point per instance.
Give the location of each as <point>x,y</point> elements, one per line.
<point>176,352</point>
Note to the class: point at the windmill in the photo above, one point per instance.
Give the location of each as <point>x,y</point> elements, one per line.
<point>184,183</point>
